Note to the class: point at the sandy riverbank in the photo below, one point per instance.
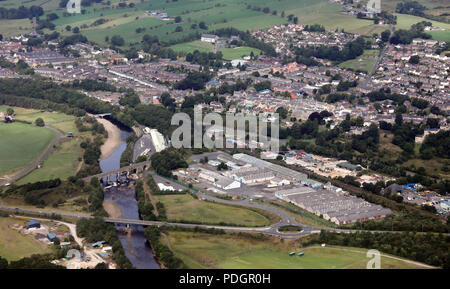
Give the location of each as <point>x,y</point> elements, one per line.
<point>112,209</point>
<point>113,140</point>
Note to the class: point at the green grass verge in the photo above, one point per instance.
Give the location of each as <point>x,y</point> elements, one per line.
<point>187,209</point>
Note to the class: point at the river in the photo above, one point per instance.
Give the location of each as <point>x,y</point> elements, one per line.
<point>135,245</point>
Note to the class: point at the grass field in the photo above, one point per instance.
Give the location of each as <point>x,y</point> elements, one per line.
<point>215,13</point>
<point>31,115</point>
<point>328,15</point>
<point>238,52</point>
<point>188,209</point>
<point>61,163</point>
<point>199,250</point>
<point>21,144</point>
<point>14,246</point>
<point>363,63</point>
<point>190,47</point>
<point>405,22</point>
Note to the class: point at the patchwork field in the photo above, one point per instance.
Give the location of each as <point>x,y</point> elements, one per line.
<point>363,63</point>
<point>186,208</point>
<point>199,250</point>
<point>14,246</point>
<point>21,144</point>
<point>214,13</point>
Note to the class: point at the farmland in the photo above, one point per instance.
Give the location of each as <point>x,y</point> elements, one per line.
<point>14,246</point>
<point>187,209</point>
<point>214,13</point>
<point>21,144</point>
<point>201,250</point>
<point>405,22</point>
<point>61,163</point>
<point>30,115</point>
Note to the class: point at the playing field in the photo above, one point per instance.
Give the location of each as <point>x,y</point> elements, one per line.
<point>14,246</point>
<point>190,47</point>
<point>199,250</point>
<point>21,144</point>
<point>238,52</point>
<point>186,208</point>
<point>363,63</point>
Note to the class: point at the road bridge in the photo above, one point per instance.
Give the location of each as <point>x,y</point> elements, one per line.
<point>131,169</point>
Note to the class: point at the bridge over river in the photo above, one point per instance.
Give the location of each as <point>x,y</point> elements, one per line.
<point>131,169</point>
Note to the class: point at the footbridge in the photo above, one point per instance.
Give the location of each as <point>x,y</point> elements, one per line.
<point>131,169</point>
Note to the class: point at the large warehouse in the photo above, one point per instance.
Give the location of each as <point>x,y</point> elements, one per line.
<point>335,207</point>
<point>279,171</point>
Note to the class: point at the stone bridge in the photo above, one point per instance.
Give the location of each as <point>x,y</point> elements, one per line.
<point>131,169</point>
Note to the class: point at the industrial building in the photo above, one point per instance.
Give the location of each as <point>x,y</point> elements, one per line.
<point>336,207</point>
<point>218,180</point>
<point>277,170</point>
<point>349,166</point>
<point>157,138</point>
<point>251,175</point>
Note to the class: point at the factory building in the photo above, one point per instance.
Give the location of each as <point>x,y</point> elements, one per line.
<point>218,180</point>
<point>277,170</point>
<point>335,207</point>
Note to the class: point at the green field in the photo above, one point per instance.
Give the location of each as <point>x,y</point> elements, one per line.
<point>405,22</point>
<point>215,13</point>
<point>10,28</point>
<point>328,15</point>
<point>200,250</point>
<point>61,163</point>
<point>21,144</point>
<point>190,47</point>
<point>31,115</point>
<point>14,245</point>
<point>186,208</point>
<point>363,63</point>
<point>238,52</point>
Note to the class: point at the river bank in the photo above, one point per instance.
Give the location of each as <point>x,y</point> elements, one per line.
<point>113,141</point>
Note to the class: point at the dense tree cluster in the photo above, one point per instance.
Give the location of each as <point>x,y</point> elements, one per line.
<point>351,50</point>
<point>21,13</point>
<point>411,7</point>
<point>437,145</point>
<point>161,251</point>
<point>167,160</point>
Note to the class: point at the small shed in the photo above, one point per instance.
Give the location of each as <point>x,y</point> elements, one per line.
<point>98,244</point>
<point>33,224</point>
<point>51,237</point>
